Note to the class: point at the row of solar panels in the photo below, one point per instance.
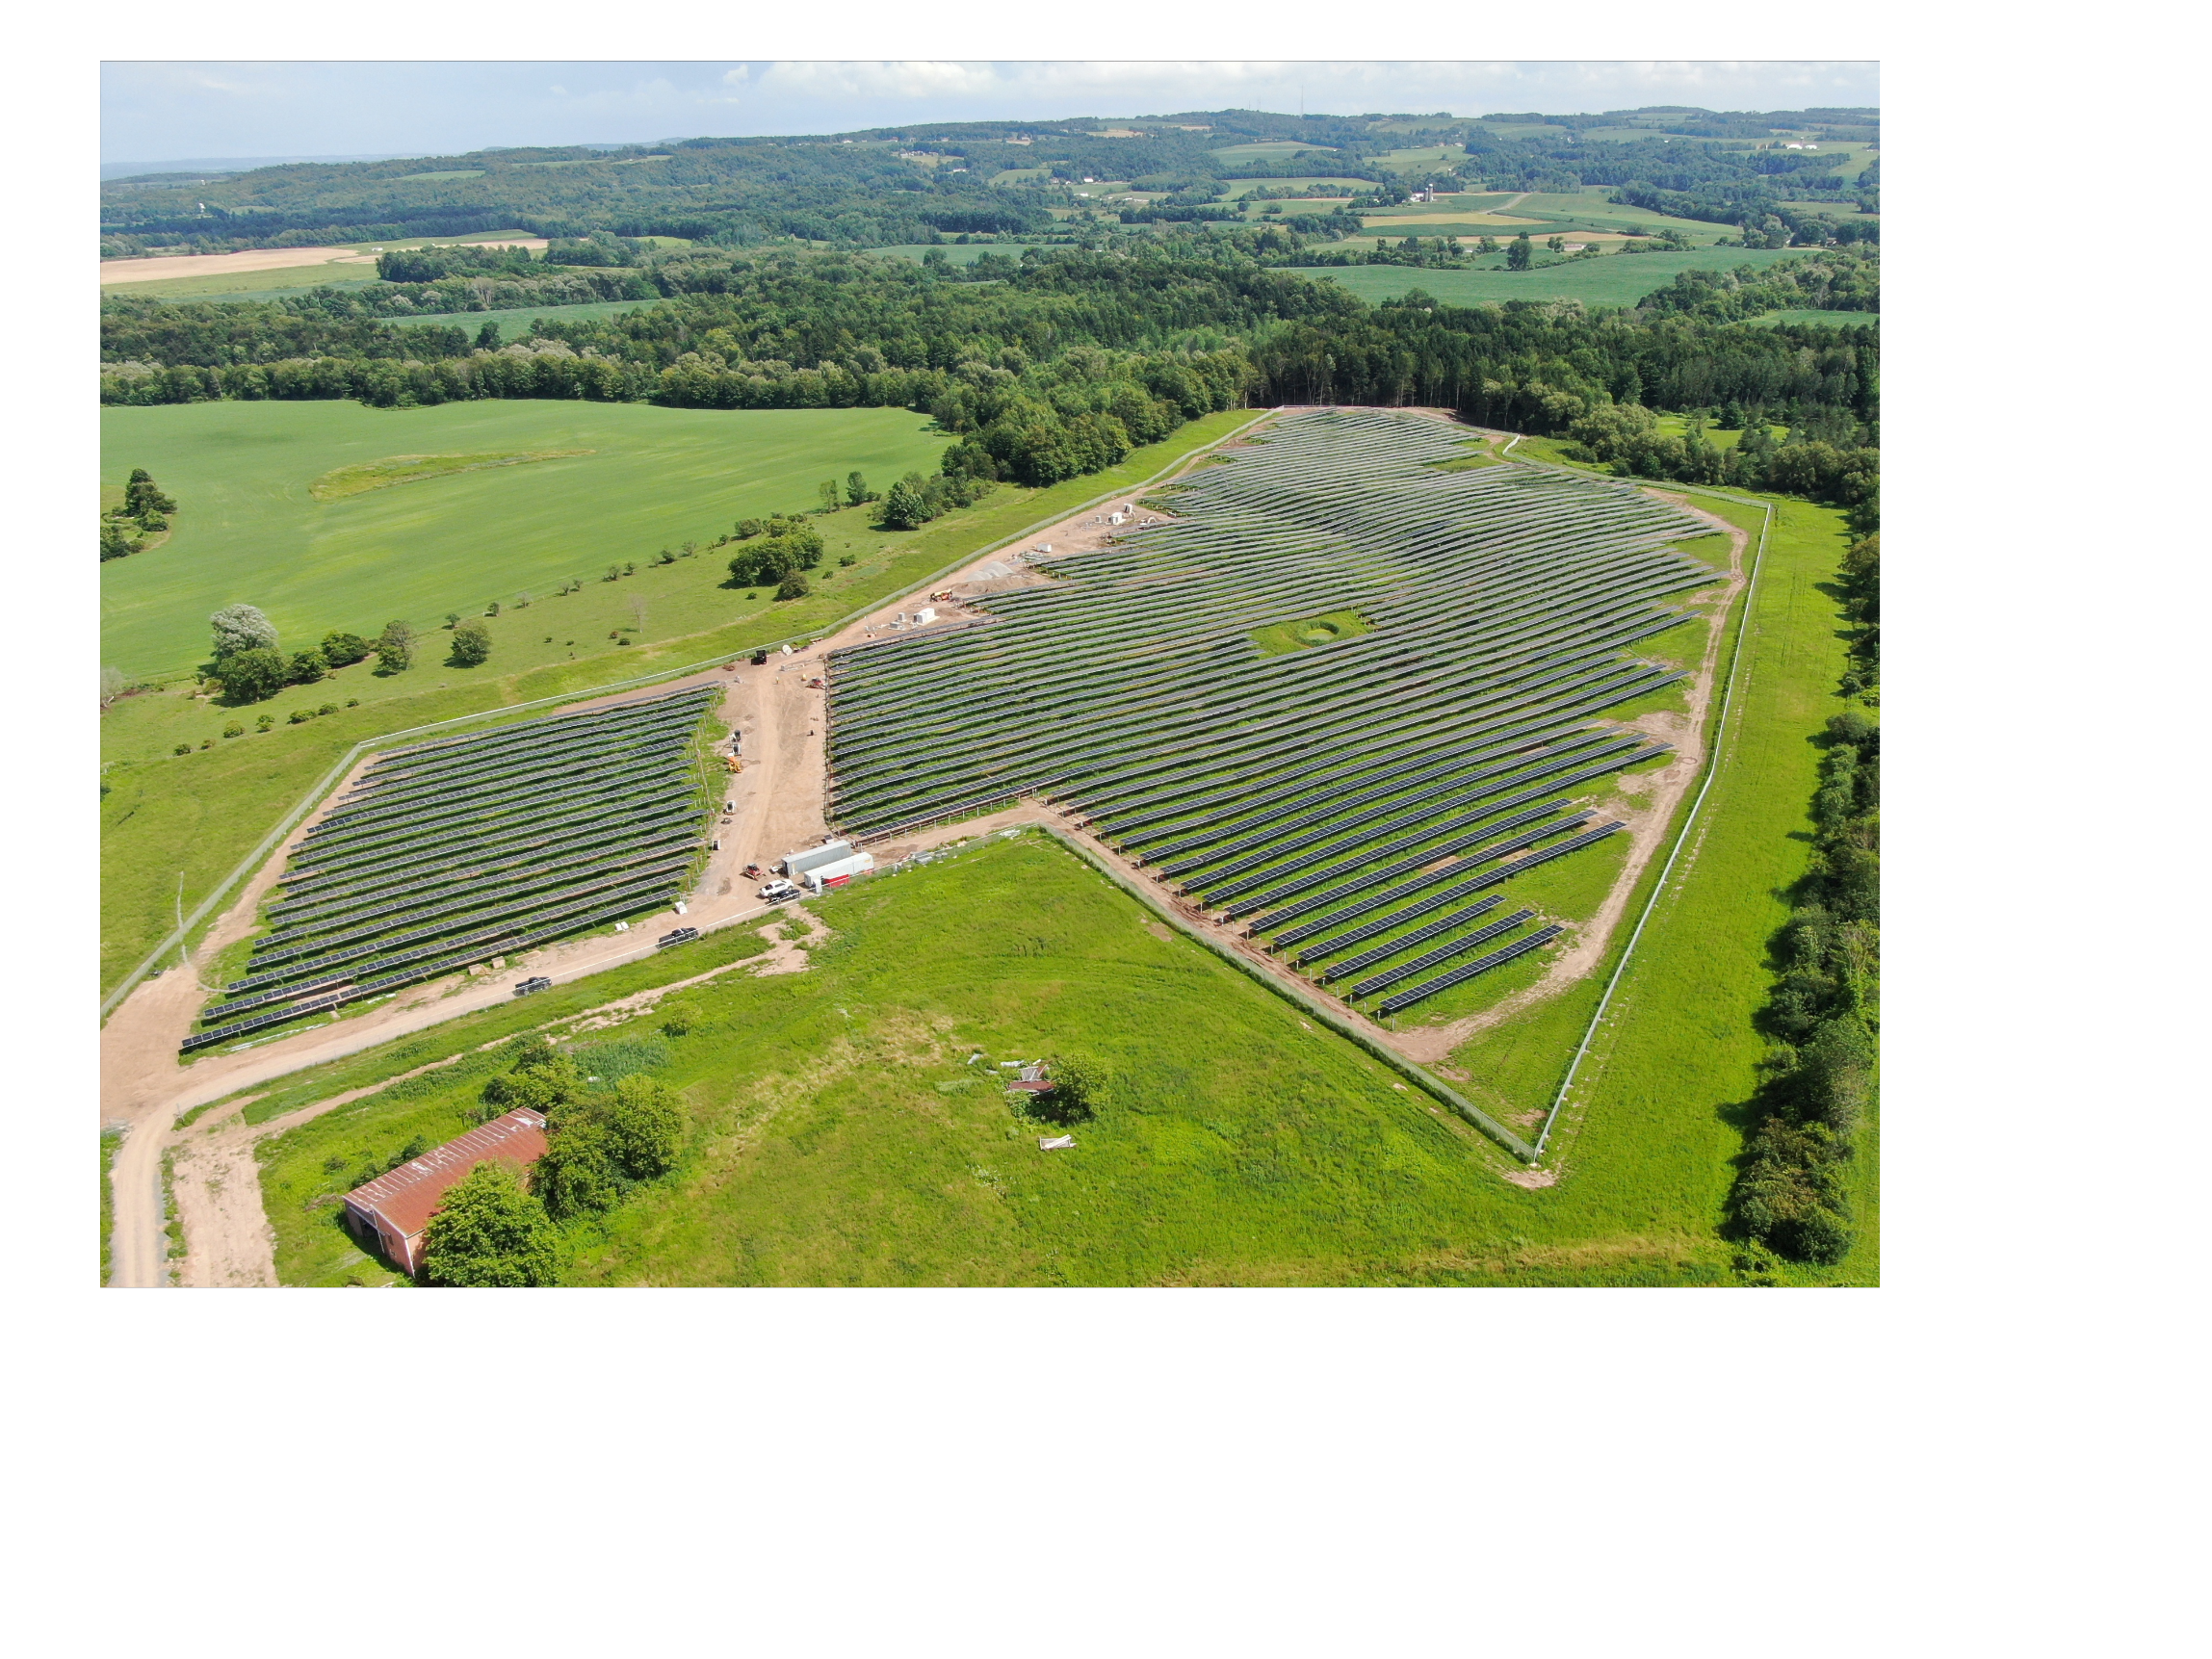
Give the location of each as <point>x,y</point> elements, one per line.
<point>420,972</point>
<point>662,878</point>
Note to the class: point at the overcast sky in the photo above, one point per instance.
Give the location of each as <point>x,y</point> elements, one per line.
<point>156,111</point>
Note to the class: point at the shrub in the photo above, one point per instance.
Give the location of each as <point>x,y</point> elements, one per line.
<point>307,668</point>
<point>327,709</point>
<point>234,730</point>
<point>577,1175</point>
<point>251,675</point>
<point>182,750</point>
<point>353,702</point>
<point>794,586</point>
<point>395,648</point>
<point>1083,1087</point>
<point>265,722</point>
<point>490,1232</point>
<point>645,1127</point>
<point>472,645</point>
<point>614,574</point>
<point>207,742</point>
<point>492,609</point>
<point>340,650</point>
<point>300,716</point>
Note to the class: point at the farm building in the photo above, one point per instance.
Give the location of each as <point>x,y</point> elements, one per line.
<point>392,1210</point>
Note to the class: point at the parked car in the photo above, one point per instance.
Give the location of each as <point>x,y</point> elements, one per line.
<point>779,891</point>
<point>538,982</point>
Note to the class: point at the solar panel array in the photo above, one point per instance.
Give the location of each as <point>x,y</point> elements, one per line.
<point>1338,796</point>
<point>447,854</point>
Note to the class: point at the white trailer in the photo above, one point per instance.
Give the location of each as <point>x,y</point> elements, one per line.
<point>825,876</point>
<point>796,864</point>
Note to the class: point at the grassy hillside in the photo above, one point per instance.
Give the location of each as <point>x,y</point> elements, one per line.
<point>250,531</point>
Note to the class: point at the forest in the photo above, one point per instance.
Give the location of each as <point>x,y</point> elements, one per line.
<point>925,182</point>
<point>1074,357</point>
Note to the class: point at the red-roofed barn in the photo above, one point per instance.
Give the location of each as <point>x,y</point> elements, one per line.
<point>392,1210</point>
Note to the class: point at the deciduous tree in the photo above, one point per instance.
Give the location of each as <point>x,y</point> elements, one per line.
<point>490,1232</point>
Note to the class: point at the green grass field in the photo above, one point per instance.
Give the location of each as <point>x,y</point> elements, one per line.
<point>1592,206</point>
<point>1613,279</point>
<point>1236,189</point>
<point>1679,1029</point>
<point>1282,637</point>
<point>840,1137</point>
<point>290,279</point>
<point>195,817</point>
<point>1425,158</point>
<point>250,531</point>
<point>1273,150</point>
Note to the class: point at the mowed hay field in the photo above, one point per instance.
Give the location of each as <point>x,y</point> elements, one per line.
<point>249,530</point>
<point>838,1136</point>
<point>1612,279</point>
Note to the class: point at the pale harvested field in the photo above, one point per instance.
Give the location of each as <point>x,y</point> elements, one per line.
<point>115,270</point>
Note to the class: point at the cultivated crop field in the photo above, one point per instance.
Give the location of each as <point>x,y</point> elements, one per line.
<point>253,530</point>
<point>450,853</point>
<point>1339,701</point>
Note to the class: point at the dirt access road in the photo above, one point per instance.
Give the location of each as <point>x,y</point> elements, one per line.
<point>163,269</point>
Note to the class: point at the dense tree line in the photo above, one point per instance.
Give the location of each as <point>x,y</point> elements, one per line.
<point>1822,1015</point>
<point>1072,358</point>
<point>1846,280</point>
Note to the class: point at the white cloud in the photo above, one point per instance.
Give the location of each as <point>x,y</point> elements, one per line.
<point>155,110</point>
<point>907,80</point>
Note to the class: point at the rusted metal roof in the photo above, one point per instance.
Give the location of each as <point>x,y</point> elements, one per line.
<point>405,1198</point>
